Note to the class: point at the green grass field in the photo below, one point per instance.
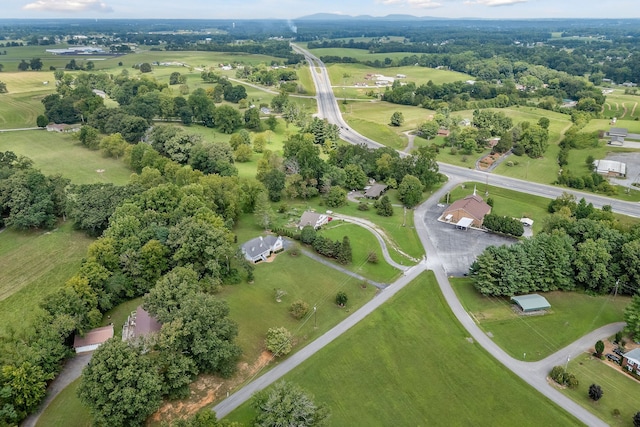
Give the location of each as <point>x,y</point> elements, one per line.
<point>254,308</point>
<point>572,315</point>
<point>623,107</point>
<point>409,363</point>
<point>66,410</point>
<point>619,390</point>
<point>362,242</point>
<point>32,265</point>
<point>54,153</point>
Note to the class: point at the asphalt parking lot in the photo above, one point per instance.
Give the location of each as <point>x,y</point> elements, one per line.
<point>458,248</point>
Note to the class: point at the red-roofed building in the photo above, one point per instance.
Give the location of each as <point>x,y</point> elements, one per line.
<point>471,207</point>
<point>139,324</point>
<point>93,339</point>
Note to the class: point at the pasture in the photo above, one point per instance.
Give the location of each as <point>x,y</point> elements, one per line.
<point>34,264</point>
<point>411,363</point>
<point>572,315</point>
<point>58,153</point>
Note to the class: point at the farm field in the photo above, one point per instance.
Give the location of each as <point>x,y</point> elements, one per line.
<point>33,265</point>
<point>398,367</point>
<point>54,153</point>
<point>624,107</point>
<point>572,315</point>
<point>619,390</point>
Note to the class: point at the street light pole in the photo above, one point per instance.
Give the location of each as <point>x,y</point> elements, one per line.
<point>315,317</point>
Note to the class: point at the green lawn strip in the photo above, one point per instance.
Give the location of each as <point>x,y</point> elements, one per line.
<point>254,308</point>
<point>376,131</point>
<point>33,265</point>
<point>66,410</point>
<point>57,153</point>
<point>506,202</point>
<point>632,126</point>
<point>620,391</point>
<point>409,363</point>
<point>20,110</point>
<point>362,242</point>
<point>571,316</point>
<point>306,81</point>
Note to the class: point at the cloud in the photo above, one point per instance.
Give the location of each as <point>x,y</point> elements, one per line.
<point>493,3</point>
<point>68,6</point>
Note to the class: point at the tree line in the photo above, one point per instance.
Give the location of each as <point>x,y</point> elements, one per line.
<point>580,247</point>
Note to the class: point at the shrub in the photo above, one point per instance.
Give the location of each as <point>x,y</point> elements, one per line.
<point>299,309</point>
<point>341,298</point>
<point>372,257</point>
<point>363,206</point>
<point>595,392</point>
<point>278,341</point>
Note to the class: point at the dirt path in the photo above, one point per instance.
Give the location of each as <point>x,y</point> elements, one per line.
<point>633,111</point>
<point>624,110</point>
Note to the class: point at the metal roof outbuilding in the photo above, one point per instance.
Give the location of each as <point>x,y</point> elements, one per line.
<point>531,302</point>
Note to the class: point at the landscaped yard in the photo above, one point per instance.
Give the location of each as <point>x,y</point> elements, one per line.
<point>571,316</point>
<point>620,391</point>
<point>66,410</point>
<point>410,363</point>
<point>34,264</point>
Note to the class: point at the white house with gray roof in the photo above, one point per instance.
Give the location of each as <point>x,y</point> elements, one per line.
<point>259,249</point>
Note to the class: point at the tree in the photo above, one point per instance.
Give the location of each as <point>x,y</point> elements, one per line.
<point>120,386</point>
<point>41,120</point>
<point>336,197</point>
<point>410,191</point>
<point>35,64</point>
<point>632,317</point>
<point>24,386</point>
<point>274,181</point>
<point>383,206</point>
<point>345,255</point>
<point>287,405</point>
<point>341,298</point>
<point>259,142</point>
<point>174,78</point>
<point>89,137</point>
<point>145,67</point>
<point>636,420</point>
<point>252,118</point>
<point>3,87</point>
<point>595,392</point>
<point>428,129</point>
<point>113,145</point>
<point>299,309</point>
<point>278,341</point>
<point>243,153</point>
<point>396,119</point>
<point>227,119</point>
<point>23,65</point>
<point>599,348</point>
<point>308,234</point>
<point>355,177</point>
<point>262,211</point>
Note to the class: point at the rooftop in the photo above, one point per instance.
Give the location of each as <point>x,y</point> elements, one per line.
<point>633,354</point>
<point>472,204</point>
<point>93,337</point>
<point>531,302</point>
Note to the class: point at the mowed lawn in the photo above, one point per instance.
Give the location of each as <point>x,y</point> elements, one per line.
<point>66,410</point>
<point>620,391</point>
<point>34,264</point>
<point>410,363</point>
<point>57,153</point>
<point>362,242</point>
<point>255,309</point>
<point>572,315</point>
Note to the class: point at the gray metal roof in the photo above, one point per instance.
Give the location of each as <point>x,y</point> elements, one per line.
<point>633,354</point>
<point>531,302</point>
<point>259,245</point>
<point>618,131</point>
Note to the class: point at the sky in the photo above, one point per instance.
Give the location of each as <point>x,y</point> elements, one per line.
<point>291,9</point>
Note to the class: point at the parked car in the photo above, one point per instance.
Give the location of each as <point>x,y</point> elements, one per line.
<point>613,358</point>
<point>618,351</point>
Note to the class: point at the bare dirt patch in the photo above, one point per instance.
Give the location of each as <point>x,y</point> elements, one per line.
<point>206,390</point>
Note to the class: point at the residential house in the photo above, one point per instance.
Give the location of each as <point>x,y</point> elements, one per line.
<point>631,360</point>
<point>62,128</point>
<point>316,220</point>
<point>443,132</point>
<point>259,249</point>
<point>375,191</point>
<point>138,324</point>
<point>92,339</point>
<point>467,212</point>
<point>617,135</point>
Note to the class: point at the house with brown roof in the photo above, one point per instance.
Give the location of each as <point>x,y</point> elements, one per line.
<point>375,191</point>
<point>138,324</point>
<point>316,220</point>
<point>467,212</point>
<point>92,339</point>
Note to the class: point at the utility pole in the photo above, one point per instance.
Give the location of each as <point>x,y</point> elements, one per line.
<point>616,291</point>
